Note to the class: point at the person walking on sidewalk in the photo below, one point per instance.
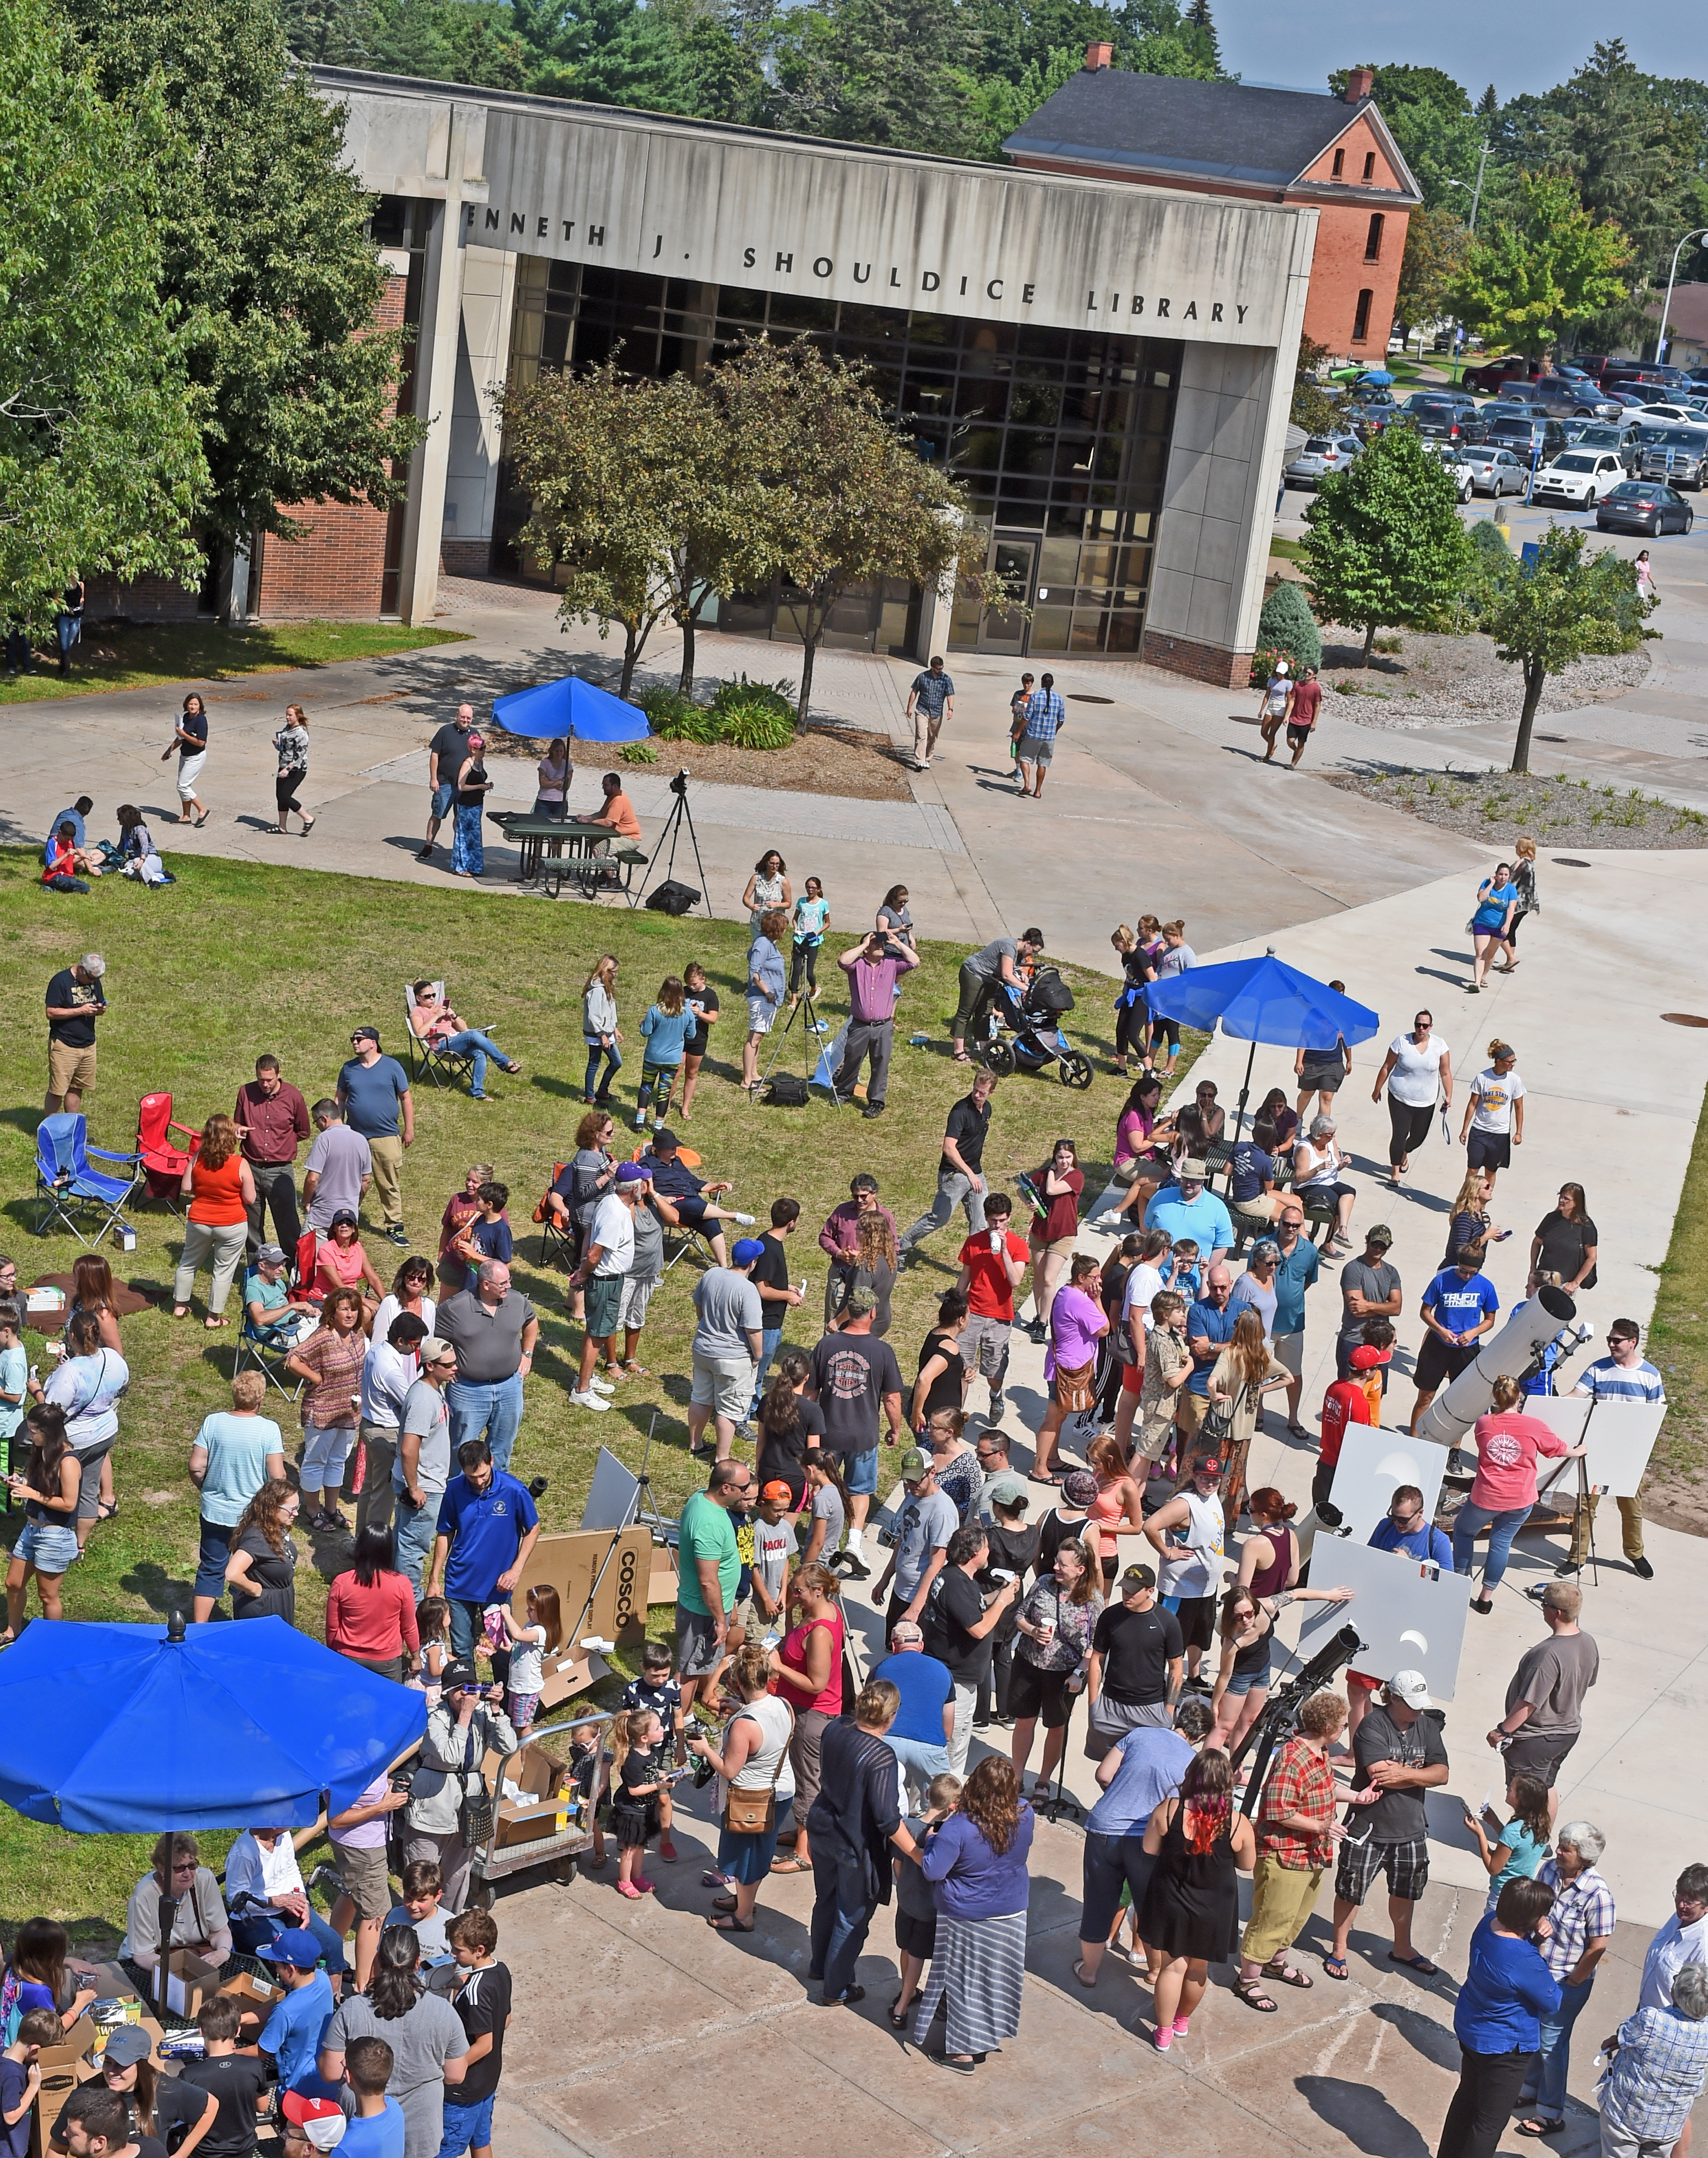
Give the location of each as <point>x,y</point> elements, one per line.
<point>291,743</point>
<point>930,702</point>
<point>1045,716</point>
<point>190,743</point>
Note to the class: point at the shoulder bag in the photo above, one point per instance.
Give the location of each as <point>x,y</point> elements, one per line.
<point>1216,1428</point>
<point>476,1815</point>
<point>753,1812</point>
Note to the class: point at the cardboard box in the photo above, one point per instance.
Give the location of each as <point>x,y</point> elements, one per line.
<point>253,1993</point>
<point>567,1672</point>
<point>621,1564</point>
<point>57,2085</point>
<point>533,1772</point>
<point>190,1981</point>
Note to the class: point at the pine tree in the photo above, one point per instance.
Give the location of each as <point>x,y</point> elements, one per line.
<point>1198,32</point>
<point>1287,625</point>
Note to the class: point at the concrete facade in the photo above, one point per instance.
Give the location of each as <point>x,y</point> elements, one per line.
<point>651,195</point>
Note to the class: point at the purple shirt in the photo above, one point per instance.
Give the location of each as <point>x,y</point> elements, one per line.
<point>871,988</point>
<point>968,1879</point>
<point>367,1835</point>
<point>1076,1326</point>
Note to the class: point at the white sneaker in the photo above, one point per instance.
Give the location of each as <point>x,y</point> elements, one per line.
<point>746,1220</point>
<point>601,1386</point>
<point>589,1400</point>
<point>1111,1218</point>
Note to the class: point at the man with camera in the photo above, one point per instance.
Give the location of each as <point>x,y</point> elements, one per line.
<point>873,967</point>
<point>448,1797</point>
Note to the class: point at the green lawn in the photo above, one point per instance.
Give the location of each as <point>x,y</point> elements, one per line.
<point>233,960</point>
<point>1678,1339</point>
<point>120,656</point>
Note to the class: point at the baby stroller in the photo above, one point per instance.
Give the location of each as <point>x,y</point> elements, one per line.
<point>1032,1015</point>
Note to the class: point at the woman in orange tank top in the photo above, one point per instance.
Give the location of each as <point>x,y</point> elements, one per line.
<point>221,1190</point>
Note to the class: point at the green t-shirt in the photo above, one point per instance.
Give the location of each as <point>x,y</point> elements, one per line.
<point>706,1532</point>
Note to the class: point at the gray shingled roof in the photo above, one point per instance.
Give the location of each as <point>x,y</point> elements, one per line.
<point>1211,130</point>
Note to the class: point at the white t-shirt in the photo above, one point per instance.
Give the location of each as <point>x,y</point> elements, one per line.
<point>252,1870</point>
<point>773,1547</point>
<point>527,1661</point>
<point>1143,1283</point>
<point>1416,1077</point>
<point>613,1230</point>
<point>1495,1096</point>
<point>387,1377</point>
<point>390,1309</point>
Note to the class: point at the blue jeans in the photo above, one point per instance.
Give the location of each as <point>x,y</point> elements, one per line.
<point>769,1341</point>
<point>613,1064</point>
<point>1502,1529</point>
<point>473,1041</point>
<point>464,1621</point>
<point>467,851</point>
<point>919,1763</point>
<point>467,2127</point>
<point>413,1532</point>
<point>256,1929</point>
<point>1550,2073</point>
<point>841,1916</point>
<point>491,1411</point>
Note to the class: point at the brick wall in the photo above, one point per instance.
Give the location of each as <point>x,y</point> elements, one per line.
<point>465,557</point>
<point>141,599</point>
<point>1202,662</point>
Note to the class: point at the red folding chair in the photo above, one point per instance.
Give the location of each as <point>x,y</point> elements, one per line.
<point>163,1163</point>
<point>303,1266</point>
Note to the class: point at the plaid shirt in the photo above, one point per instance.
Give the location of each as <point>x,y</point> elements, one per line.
<point>1657,2075</point>
<point>1045,715</point>
<point>1301,1783</point>
<point>1583,1908</point>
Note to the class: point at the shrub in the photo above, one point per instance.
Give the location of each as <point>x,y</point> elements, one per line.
<point>639,752</point>
<point>1263,661</point>
<point>677,718</point>
<point>1287,625</point>
<point>757,726</point>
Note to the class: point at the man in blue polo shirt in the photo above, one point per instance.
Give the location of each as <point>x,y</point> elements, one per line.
<point>1188,1209</point>
<point>293,2032</point>
<point>918,1737</point>
<point>1297,1266</point>
<point>374,1098</point>
<point>1209,1327</point>
<point>1458,1309</point>
<point>488,1525</point>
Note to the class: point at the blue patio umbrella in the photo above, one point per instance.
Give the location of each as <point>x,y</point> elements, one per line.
<point>1379,375</point>
<point>108,1729</point>
<point>551,709</point>
<point>1261,1000</point>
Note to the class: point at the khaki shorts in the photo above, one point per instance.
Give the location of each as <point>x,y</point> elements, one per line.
<point>70,1071</point>
<point>724,1385</point>
<point>362,1868</point>
<point>1064,1248</point>
<point>1289,1351</point>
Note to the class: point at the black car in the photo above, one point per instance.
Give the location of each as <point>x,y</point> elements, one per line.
<point>1526,435</point>
<point>1566,399</point>
<point>1444,417</point>
<point>1639,505</point>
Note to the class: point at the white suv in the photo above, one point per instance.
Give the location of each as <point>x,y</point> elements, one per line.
<point>1579,478</point>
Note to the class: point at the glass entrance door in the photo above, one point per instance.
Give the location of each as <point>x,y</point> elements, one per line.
<point>1013,561</point>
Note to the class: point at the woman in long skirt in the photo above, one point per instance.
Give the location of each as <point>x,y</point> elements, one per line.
<point>467,849</point>
<point>975,1861</point>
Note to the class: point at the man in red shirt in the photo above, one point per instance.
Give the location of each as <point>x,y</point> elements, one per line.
<point>1301,716</point>
<point>273,1119</point>
<point>992,1267</point>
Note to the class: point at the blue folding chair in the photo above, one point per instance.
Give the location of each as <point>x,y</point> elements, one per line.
<point>66,1186</point>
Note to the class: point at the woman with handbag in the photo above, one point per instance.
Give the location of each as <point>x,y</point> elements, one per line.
<point>749,1756</point>
<point>451,1810</point>
<point>1245,1372</point>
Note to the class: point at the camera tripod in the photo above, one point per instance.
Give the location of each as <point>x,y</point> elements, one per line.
<point>814,1044</point>
<point>681,814</point>
<point>1280,1718</point>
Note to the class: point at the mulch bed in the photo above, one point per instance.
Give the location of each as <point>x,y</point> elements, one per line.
<point>845,761</point>
<point>1556,813</point>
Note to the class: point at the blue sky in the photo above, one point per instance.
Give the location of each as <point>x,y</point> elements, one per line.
<point>1519,46</point>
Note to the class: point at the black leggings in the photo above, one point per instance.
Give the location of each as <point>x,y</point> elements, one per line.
<point>1488,2087</point>
<point>285,786</point>
<point>1409,1128</point>
<point>804,960</point>
<point>1132,1022</point>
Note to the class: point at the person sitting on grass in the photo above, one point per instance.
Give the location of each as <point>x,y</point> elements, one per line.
<point>67,863</point>
<point>431,1020</point>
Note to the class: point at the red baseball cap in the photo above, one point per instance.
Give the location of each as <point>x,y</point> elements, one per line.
<point>320,2119</point>
<point>1367,1359</point>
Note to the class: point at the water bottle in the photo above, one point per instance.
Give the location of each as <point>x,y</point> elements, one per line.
<point>919,1041</point>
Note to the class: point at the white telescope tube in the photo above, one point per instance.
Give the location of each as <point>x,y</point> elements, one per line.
<point>1503,1355</point>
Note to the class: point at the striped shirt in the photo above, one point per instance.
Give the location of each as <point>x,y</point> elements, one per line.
<point>1605,1380</point>
<point>1045,715</point>
<point>1583,1911</point>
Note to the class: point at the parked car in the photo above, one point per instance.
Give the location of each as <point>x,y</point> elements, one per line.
<point>1639,505</point>
<point>1579,478</point>
<point>1444,416</point>
<point>1621,393</point>
<point>1321,453</point>
<point>1525,436</point>
<point>1453,456</point>
<point>1631,375</point>
<point>1618,437</point>
<point>1668,408</point>
<point>1488,377</point>
<point>1566,396</point>
<point>1495,470</point>
<point>1674,454</point>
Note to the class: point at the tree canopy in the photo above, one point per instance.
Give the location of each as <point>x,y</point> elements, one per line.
<point>1546,264</point>
<point>1385,548</point>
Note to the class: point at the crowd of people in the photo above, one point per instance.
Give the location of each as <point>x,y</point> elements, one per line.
<point>1002,1605</point>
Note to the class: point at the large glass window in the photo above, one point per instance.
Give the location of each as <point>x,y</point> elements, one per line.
<point>1063,434</point>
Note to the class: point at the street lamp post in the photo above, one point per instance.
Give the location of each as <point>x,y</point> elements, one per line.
<point>1666,308</point>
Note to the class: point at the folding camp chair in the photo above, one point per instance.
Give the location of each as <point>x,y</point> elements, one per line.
<point>439,1067</point>
<point>557,1239</point>
<point>680,1240</point>
<point>66,1185</point>
<point>266,1357</point>
<point>163,1164</point>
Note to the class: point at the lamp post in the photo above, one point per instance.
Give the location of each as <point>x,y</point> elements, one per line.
<point>1701,232</point>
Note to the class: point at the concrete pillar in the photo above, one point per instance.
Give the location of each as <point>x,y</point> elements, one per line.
<point>436,385</point>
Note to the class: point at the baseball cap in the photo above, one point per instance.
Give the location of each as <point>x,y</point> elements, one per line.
<point>664,1140</point>
<point>1367,1359</point>
<point>458,1672</point>
<point>1137,1577</point>
<point>747,1250</point>
<point>269,1255</point>
<point>432,1350</point>
<point>1193,1172</point>
<point>1409,1687</point>
<point>127,2046</point>
<point>1007,1489</point>
<point>1211,1465</point>
<point>1380,1234</point>
<point>322,2119</point>
<point>295,1946</point>
<point>344,1214</point>
<point>364,1033</point>
<point>1079,1487</point>
<point>776,1489</point>
<point>634,1172</point>
<point>914,1465</point>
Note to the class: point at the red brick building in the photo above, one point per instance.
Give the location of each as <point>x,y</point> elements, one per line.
<point>1225,138</point>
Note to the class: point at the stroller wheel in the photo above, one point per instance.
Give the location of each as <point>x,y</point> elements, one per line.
<point>999,1058</point>
<point>1077,1072</point>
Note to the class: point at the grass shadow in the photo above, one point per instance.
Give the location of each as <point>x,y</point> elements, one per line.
<point>160,1591</point>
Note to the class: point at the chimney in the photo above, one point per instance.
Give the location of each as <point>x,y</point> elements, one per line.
<point>1359,82</point>
<point>1098,57</point>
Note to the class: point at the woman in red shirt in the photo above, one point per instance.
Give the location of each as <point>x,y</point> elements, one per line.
<point>807,1663</point>
<point>1505,1487</point>
<point>220,1189</point>
<point>1055,1226</point>
<point>370,1611</point>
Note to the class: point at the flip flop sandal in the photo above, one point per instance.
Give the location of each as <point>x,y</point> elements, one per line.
<point>1536,2126</point>
<point>901,2013</point>
<point>1421,1964</point>
<point>1335,1966</point>
<point>723,1902</point>
<point>1078,1972</point>
<point>1249,1991</point>
<point>725,1922</point>
<point>632,1370</point>
<point>1280,1974</point>
<point>791,1865</point>
<point>104,1512</point>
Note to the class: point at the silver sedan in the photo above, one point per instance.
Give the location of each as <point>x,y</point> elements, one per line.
<point>1493,471</point>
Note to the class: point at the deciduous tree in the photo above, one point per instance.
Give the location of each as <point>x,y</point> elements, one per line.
<point>1437,247</point>
<point>1546,264</point>
<point>1385,548</point>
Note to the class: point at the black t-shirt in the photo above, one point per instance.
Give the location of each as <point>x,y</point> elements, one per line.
<point>707,999</point>
<point>1136,1648</point>
<point>954,1604</point>
<point>968,1127</point>
<point>176,2111</point>
<point>1564,1239</point>
<point>945,1391</point>
<point>852,1373</point>
<point>482,2003</point>
<point>1053,1532</point>
<point>63,990</point>
<point>234,2079</point>
<point>274,1571</point>
<point>771,1268</point>
<point>784,1454</point>
<point>451,746</point>
<point>195,724</point>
